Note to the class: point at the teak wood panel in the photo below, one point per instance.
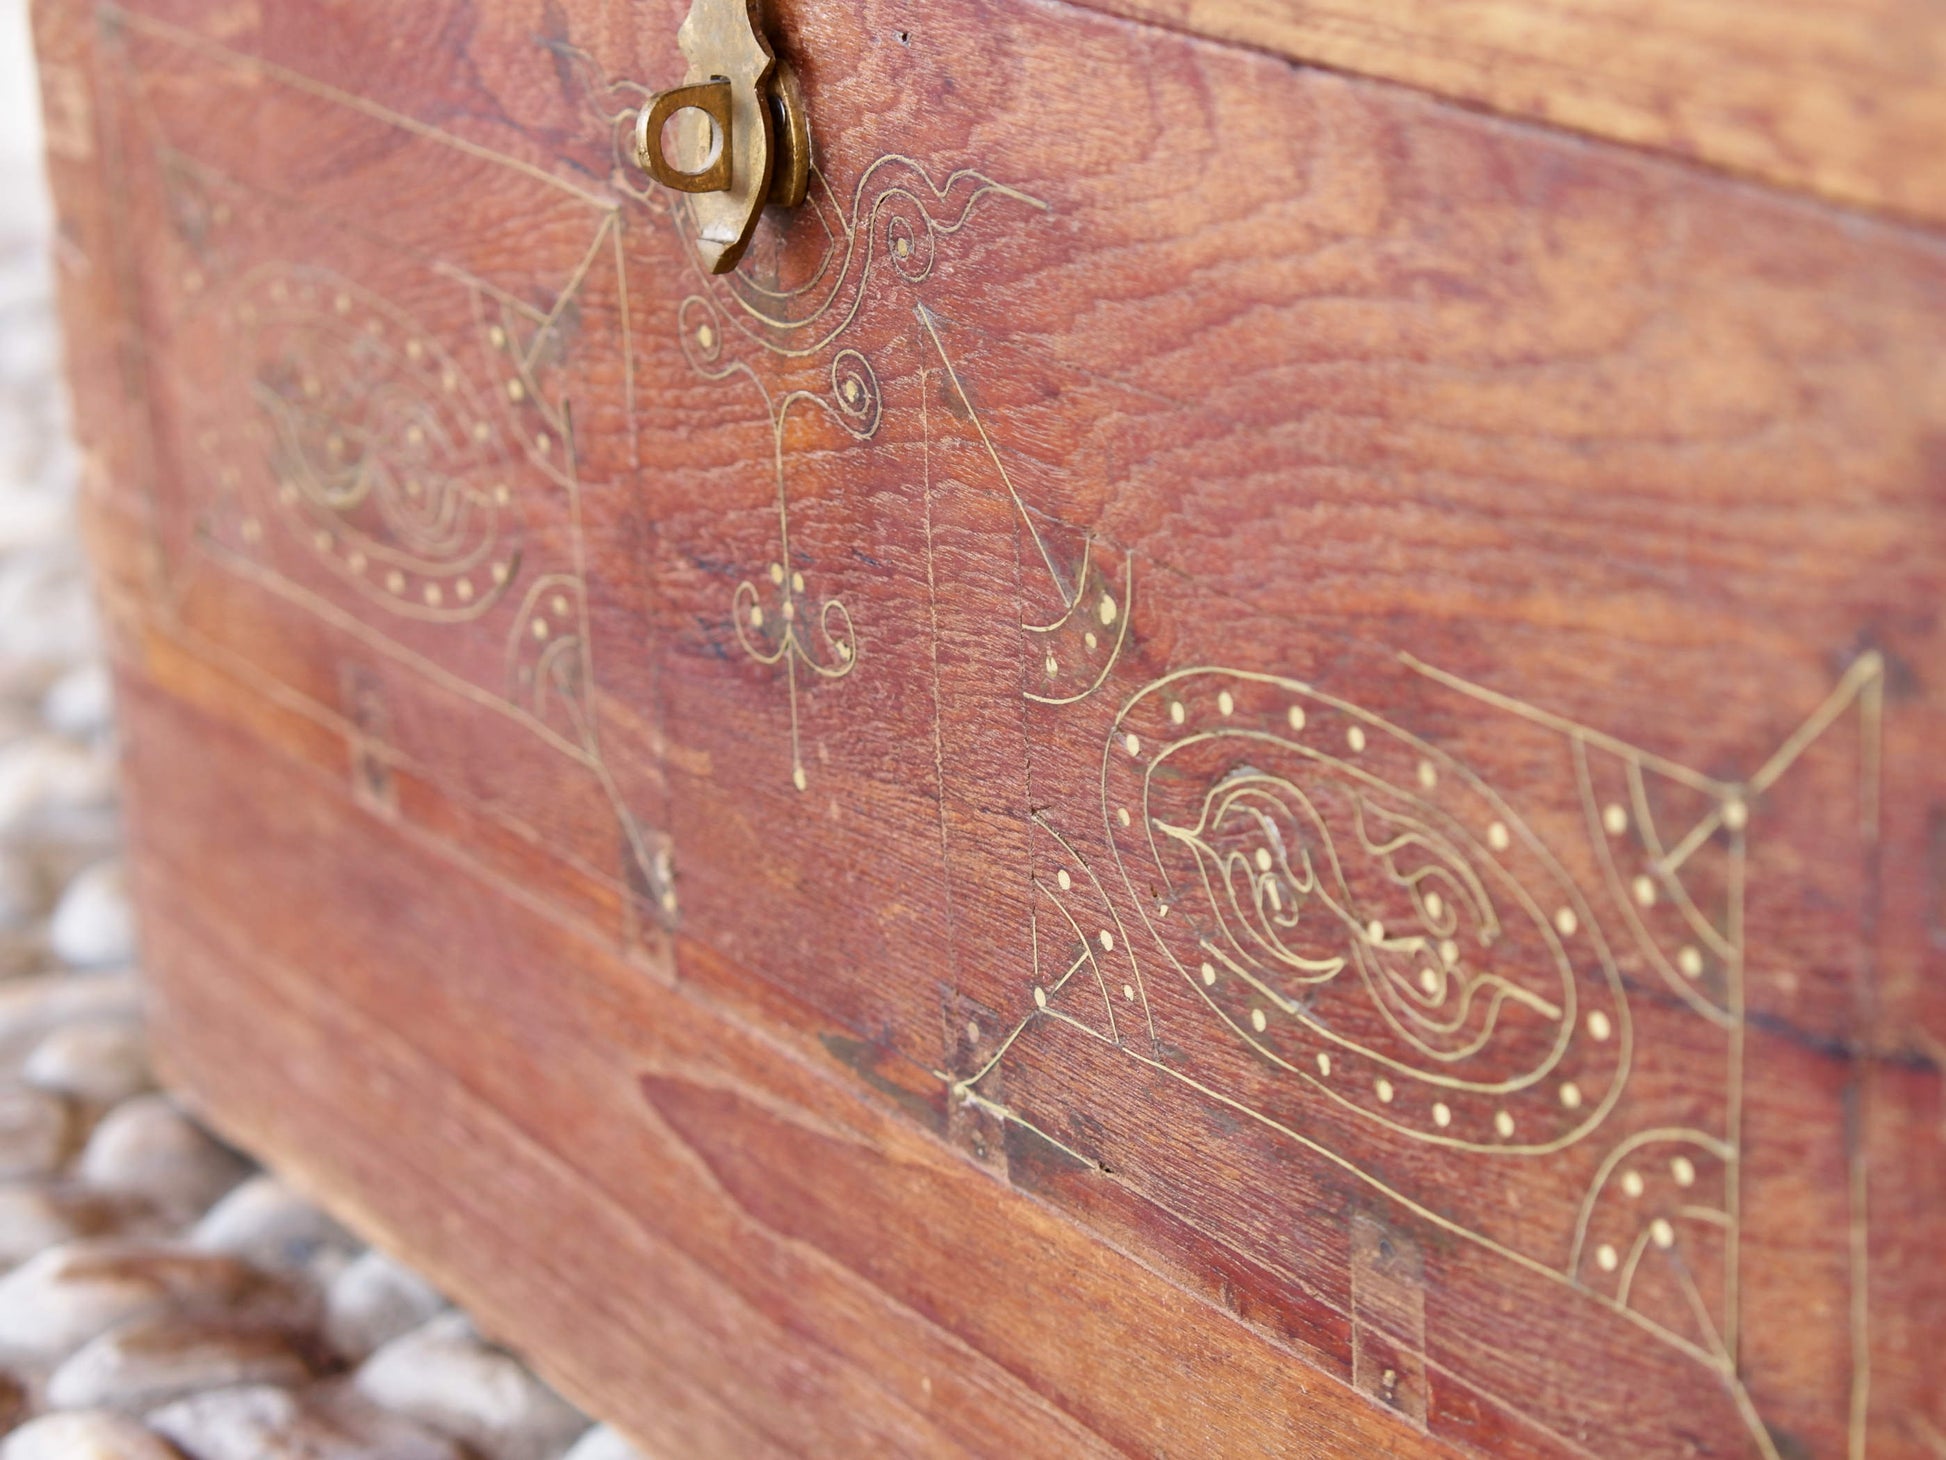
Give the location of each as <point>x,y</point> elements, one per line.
<point>1226,761</point>
<point>1842,97</point>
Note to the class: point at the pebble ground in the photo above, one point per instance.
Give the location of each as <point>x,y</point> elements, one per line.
<point>160,1297</point>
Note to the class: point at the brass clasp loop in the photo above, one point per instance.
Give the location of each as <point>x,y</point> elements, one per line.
<point>710,99</point>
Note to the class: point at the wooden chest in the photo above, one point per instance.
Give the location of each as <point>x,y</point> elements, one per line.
<point>1242,752</point>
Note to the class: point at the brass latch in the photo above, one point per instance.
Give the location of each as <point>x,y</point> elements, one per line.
<point>734,135</point>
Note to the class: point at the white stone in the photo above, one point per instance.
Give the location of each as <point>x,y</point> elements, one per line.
<point>94,923</point>
<point>81,703</point>
<point>372,1302</point>
<point>23,953</point>
<point>448,1379</point>
<point>17,722</point>
<point>37,1215</point>
<point>36,1132</point>
<point>45,616</point>
<point>32,1219</point>
<point>240,1421</point>
<point>603,1443</point>
<point>101,1061</point>
<point>86,1435</point>
<point>265,1222</point>
<point>30,520</point>
<point>54,1303</point>
<point>323,1423</point>
<point>151,1361</point>
<point>22,897</point>
<point>45,775</point>
<point>146,1147</point>
<point>29,1007</point>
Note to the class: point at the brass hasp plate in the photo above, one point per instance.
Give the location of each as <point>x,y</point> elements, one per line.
<point>740,136</point>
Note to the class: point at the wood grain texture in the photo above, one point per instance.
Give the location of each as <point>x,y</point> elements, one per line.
<point>1229,763</point>
<point>1845,98</point>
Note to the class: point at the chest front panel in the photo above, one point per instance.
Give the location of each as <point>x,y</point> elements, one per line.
<point>1223,760</point>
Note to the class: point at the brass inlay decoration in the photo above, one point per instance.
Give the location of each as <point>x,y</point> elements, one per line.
<point>1380,925</point>
<point>401,451</point>
<point>1338,896</point>
<point>897,215</point>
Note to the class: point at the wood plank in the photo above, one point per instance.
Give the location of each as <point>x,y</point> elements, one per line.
<point>1843,98</point>
<point>905,1302</point>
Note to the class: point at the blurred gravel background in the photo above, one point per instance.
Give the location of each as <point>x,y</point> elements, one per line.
<point>160,1299</point>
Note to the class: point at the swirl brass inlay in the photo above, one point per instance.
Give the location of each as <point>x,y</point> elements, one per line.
<point>379,444</point>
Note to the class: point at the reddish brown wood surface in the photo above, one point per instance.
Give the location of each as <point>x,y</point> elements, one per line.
<point>1224,762</point>
<point>1841,97</point>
